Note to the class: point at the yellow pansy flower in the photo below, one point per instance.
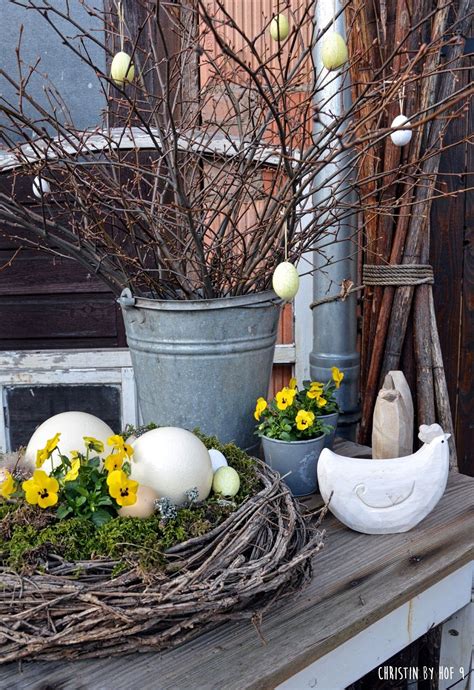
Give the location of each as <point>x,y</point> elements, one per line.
<point>292,383</point>
<point>43,454</point>
<point>114,461</point>
<point>337,376</point>
<point>321,401</point>
<point>315,390</point>
<point>304,420</point>
<point>259,408</point>
<point>123,489</point>
<point>94,444</point>
<point>73,471</point>
<point>284,398</point>
<point>41,490</point>
<point>117,442</point>
<point>7,487</point>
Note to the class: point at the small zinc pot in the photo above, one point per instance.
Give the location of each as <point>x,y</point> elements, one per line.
<point>299,458</point>
<point>330,420</point>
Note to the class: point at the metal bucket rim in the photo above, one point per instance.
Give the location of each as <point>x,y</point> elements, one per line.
<point>126,299</point>
<point>293,443</point>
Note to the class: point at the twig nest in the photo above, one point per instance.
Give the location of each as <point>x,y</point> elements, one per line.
<point>41,187</point>
<point>144,506</point>
<point>217,459</point>
<point>401,136</point>
<point>279,27</point>
<point>171,461</point>
<point>334,51</point>
<point>226,482</point>
<point>72,426</point>
<point>122,69</point>
<point>286,281</point>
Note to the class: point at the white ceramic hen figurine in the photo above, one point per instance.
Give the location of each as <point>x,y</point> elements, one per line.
<point>385,496</point>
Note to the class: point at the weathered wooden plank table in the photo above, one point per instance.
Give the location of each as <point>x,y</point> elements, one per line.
<point>369,598</point>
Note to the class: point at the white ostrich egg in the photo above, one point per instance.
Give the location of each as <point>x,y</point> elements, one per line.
<point>334,51</point>
<point>401,136</point>
<point>279,27</point>
<point>171,461</point>
<point>217,459</point>
<point>72,426</point>
<point>122,69</point>
<point>41,187</point>
<point>286,280</point>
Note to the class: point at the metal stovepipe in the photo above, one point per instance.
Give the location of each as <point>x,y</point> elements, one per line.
<point>335,323</point>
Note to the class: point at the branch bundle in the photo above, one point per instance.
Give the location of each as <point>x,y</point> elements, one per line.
<point>220,181</point>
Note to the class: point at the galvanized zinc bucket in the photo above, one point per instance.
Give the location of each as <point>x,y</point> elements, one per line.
<point>202,363</point>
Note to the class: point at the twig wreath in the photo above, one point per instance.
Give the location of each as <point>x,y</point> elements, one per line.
<point>60,609</point>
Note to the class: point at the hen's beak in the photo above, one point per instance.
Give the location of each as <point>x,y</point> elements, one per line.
<point>446,436</point>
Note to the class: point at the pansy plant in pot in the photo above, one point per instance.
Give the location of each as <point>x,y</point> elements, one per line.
<point>295,426</point>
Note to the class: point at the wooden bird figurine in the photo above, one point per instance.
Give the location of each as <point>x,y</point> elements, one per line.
<point>385,496</point>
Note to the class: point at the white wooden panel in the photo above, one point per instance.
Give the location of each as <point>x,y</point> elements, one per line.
<point>456,650</point>
<point>381,640</point>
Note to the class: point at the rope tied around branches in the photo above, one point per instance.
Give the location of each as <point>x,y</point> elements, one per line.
<point>398,274</point>
<point>383,275</point>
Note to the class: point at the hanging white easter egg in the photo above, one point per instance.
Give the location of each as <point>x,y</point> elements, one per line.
<point>72,426</point>
<point>279,27</point>
<point>171,461</point>
<point>226,482</point>
<point>286,280</point>
<point>334,51</point>
<point>217,459</point>
<point>144,506</point>
<point>41,187</point>
<point>122,69</point>
<point>401,136</point>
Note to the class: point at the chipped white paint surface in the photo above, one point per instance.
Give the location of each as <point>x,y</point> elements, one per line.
<point>384,496</point>
<point>81,367</point>
<point>131,138</point>
<point>69,367</point>
<point>378,642</point>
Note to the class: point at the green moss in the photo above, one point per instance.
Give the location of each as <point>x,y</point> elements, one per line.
<point>28,535</point>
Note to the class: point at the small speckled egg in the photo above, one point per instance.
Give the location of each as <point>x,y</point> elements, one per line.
<point>144,506</point>
<point>226,482</point>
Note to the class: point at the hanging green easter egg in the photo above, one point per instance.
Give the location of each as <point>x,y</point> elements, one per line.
<point>226,482</point>
<point>286,281</point>
<point>279,27</point>
<point>122,69</point>
<point>334,51</point>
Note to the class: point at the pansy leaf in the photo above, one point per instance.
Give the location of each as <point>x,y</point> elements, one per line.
<point>100,517</point>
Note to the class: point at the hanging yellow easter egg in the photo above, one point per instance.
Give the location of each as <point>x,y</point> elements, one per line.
<point>122,69</point>
<point>286,281</point>
<point>334,51</point>
<point>279,27</point>
<point>226,482</point>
